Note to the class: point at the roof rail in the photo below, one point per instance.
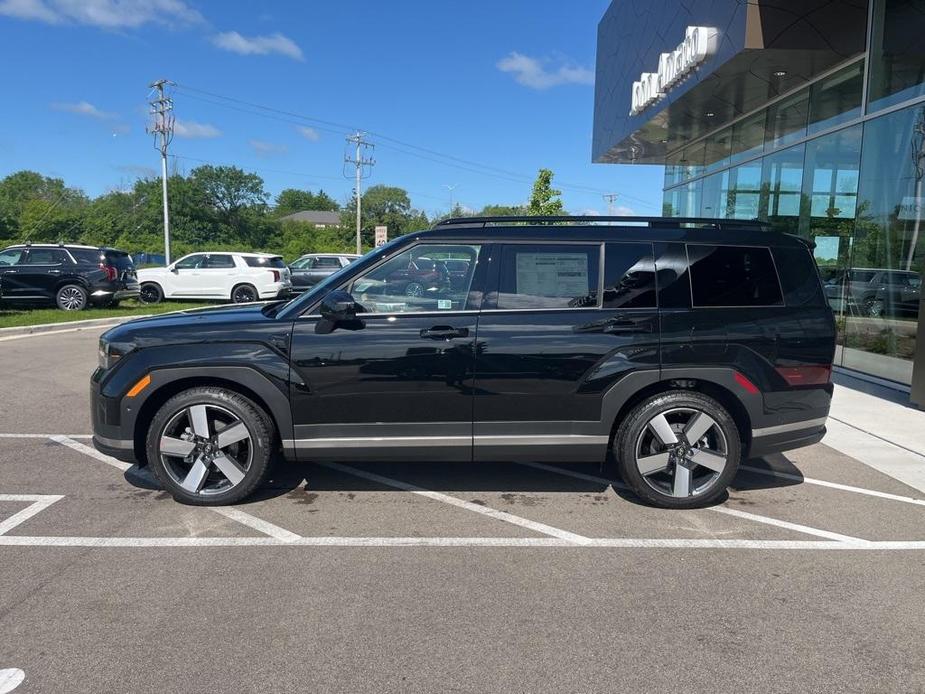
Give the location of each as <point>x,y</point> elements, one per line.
<point>651,222</point>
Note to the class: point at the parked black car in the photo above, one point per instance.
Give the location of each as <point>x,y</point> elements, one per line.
<point>310,269</point>
<point>67,275</point>
<point>681,347</point>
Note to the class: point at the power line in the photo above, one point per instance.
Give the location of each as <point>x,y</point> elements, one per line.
<point>359,161</point>
<point>409,148</point>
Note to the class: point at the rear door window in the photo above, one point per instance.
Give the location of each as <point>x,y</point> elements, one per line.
<point>629,276</point>
<point>538,276</point>
<point>328,262</point>
<point>218,262</point>
<point>731,276</point>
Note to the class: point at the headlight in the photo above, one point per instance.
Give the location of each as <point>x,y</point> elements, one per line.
<point>110,352</point>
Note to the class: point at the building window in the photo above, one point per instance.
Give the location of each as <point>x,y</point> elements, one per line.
<point>748,137</point>
<point>897,53</point>
<point>836,99</point>
<point>787,120</point>
<point>781,185</point>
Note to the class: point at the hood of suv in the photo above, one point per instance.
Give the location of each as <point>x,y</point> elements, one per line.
<point>213,324</point>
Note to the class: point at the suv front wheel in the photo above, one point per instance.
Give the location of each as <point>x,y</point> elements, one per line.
<point>679,449</point>
<point>210,446</point>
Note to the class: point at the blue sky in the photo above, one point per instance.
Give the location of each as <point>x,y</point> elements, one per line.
<point>505,86</point>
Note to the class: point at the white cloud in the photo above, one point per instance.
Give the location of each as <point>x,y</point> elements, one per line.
<point>624,211</point>
<point>267,149</point>
<point>84,108</point>
<point>258,45</point>
<point>107,14</point>
<point>193,130</point>
<point>536,73</point>
<point>308,133</point>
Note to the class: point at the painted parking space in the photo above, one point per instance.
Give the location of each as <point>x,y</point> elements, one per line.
<point>99,503</point>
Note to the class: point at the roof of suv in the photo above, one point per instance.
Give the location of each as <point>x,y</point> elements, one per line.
<point>587,228</point>
<point>63,245</point>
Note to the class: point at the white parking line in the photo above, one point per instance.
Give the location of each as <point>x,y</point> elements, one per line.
<point>45,436</point>
<point>468,505</point>
<point>510,542</point>
<point>834,485</point>
<point>767,520</point>
<point>39,503</point>
<point>259,524</point>
<point>87,450</point>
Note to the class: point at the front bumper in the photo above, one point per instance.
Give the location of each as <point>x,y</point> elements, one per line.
<point>109,436</point>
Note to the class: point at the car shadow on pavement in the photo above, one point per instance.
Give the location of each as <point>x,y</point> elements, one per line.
<point>311,477</point>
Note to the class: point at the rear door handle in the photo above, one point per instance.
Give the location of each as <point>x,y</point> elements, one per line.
<point>630,325</point>
<point>444,332</point>
<point>54,272</point>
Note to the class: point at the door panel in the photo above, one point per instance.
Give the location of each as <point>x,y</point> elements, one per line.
<point>541,374</point>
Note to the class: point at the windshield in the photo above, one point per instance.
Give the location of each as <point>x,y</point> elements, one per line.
<point>294,307</point>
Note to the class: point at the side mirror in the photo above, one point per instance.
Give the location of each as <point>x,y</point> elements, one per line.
<point>173,269</point>
<point>339,310</point>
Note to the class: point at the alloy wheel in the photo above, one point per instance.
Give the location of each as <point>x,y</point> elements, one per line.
<point>206,449</point>
<point>243,295</point>
<point>414,289</point>
<point>71,299</point>
<point>681,452</point>
<point>149,294</point>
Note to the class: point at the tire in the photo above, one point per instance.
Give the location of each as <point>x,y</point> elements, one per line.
<point>414,289</point>
<point>649,461</point>
<point>188,457</point>
<point>244,293</point>
<point>72,297</point>
<point>874,307</point>
<point>150,293</point>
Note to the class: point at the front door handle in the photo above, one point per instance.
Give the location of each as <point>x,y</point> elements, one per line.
<point>444,332</point>
<point>630,325</point>
<point>54,272</point>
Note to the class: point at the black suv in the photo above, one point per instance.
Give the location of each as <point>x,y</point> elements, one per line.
<point>68,276</point>
<point>681,346</point>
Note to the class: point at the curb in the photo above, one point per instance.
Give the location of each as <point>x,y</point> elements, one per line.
<point>68,325</point>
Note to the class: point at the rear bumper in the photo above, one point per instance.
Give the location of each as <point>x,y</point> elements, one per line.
<point>786,437</point>
<point>115,294</point>
<point>278,290</point>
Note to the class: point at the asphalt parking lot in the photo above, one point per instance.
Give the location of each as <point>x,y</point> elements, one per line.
<point>400,577</point>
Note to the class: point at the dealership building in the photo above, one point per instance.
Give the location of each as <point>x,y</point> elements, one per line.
<point>809,115</point>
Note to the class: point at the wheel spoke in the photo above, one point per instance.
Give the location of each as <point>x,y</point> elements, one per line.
<point>709,459</point>
<point>195,477</point>
<point>172,446</point>
<point>199,420</point>
<point>682,481</point>
<point>663,430</point>
<point>651,464</point>
<point>229,468</point>
<point>698,426</point>
<point>233,433</point>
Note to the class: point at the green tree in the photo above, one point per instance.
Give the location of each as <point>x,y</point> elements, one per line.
<point>502,211</point>
<point>388,205</point>
<point>44,198</point>
<point>294,200</point>
<point>544,200</point>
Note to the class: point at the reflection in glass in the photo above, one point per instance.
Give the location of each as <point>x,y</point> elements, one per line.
<point>748,137</point>
<point>781,181</point>
<point>743,191</point>
<point>897,54</point>
<point>836,99</point>
<point>717,150</point>
<point>787,119</point>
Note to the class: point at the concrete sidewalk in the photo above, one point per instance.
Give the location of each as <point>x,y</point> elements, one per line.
<point>881,432</point>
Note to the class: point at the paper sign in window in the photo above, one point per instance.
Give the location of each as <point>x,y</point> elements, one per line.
<point>552,274</point>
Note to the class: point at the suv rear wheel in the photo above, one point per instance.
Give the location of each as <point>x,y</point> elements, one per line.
<point>244,294</point>
<point>71,297</point>
<point>210,446</point>
<point>679,449</point>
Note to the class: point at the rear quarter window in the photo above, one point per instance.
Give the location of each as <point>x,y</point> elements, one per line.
<point>799,277</point>
<point>259,261</point>
<point>731,276</point>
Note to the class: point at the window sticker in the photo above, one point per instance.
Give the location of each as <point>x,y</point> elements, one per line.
<point>552,274</point>
<point>444,304</point>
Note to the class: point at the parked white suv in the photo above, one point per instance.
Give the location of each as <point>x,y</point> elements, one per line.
<point>237,277</point>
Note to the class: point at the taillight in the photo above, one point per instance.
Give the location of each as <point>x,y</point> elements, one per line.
<point>275,275</point>
<point>111,272</point>
<point>808,375</point>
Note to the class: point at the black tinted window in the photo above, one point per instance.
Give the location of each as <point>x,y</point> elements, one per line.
<point>214,262</point>
<point>799,277</point>
<point>119,259</point>
<point>87,255</point>
<point>260,261</point>
<point>327,262</point>
<point>548,276</point>
<point>629,276</point>
<point>46,256</point>
<point>733,276</point>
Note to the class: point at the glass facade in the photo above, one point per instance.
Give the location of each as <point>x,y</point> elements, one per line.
<point>821,163</point>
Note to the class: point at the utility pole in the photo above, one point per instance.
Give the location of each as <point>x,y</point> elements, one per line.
<point>610,199</point>
<point>451,188</point>
<point>162,129</point>
<point>359,162</point>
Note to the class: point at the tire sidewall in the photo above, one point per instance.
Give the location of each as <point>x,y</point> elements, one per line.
<point>238,288</point>
<point>83,292</point>
<point>259,427</point>
<point>633,425</point>
<point>156,287</point>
